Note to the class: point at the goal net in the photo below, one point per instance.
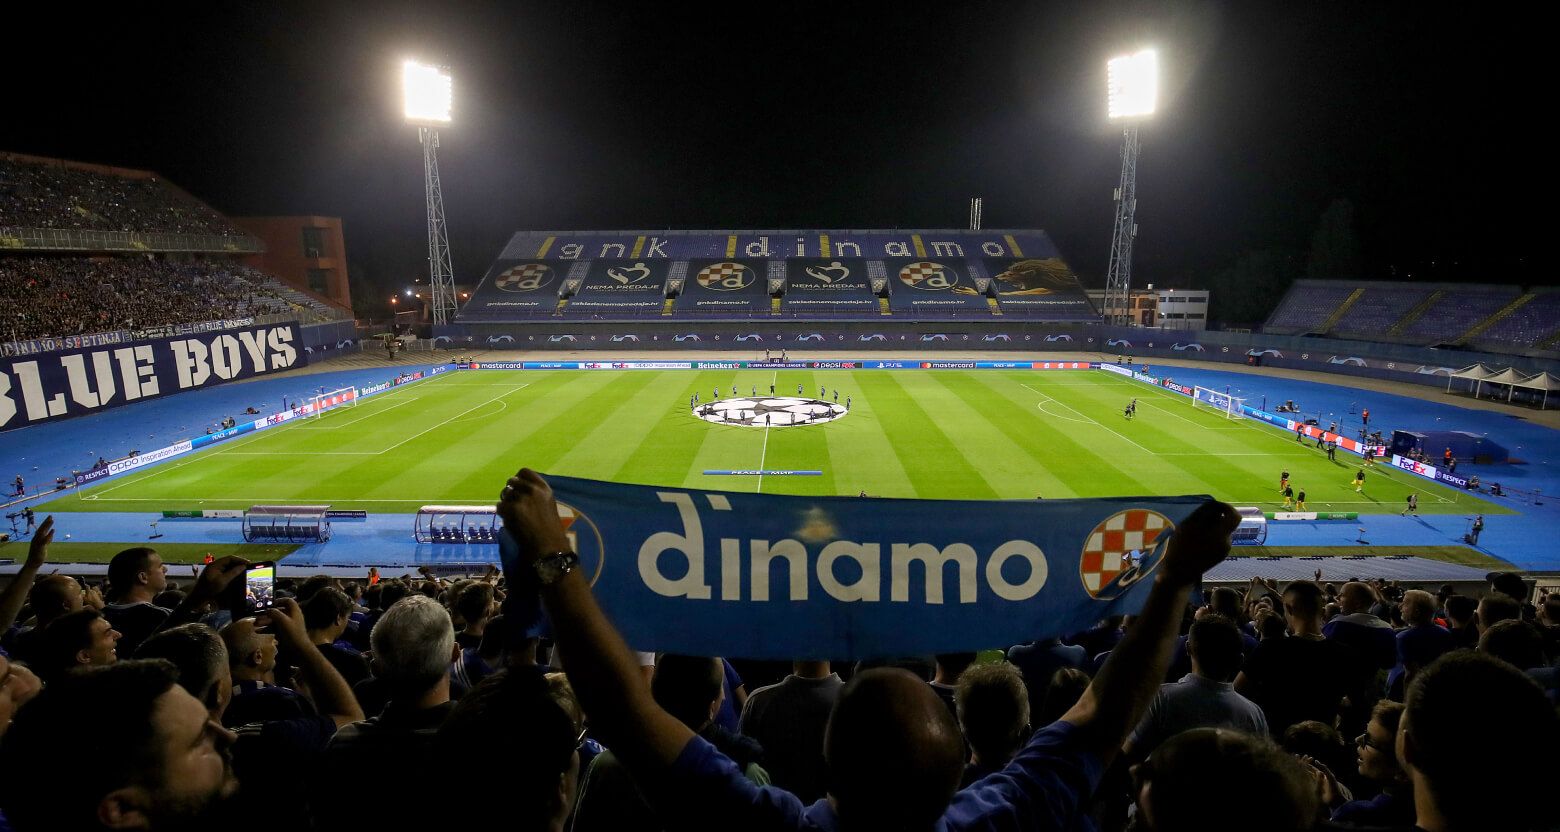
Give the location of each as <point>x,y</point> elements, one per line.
<point>1229,405</point>
<point>345,397</point>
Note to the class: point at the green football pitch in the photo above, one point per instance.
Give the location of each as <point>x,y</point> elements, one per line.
<point>947,434</point>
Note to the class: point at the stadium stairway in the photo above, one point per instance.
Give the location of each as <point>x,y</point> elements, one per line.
<point>1337,314</point>
<point>1485,324</point>
<point>1416,313</point>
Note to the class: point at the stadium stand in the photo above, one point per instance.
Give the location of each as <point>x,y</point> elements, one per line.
<point>860,275</point>
<point>1377,309</point>
<point>1455,311</point>
<point>1280,703</point>
<point>1496,318</point>
<point>46,193</point>
<point>88,248</point>
<point>47,296</point>
<point>1307,306</point>
<point>1529,324</point>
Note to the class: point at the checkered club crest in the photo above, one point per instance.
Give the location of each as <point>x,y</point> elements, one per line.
<point>925,275</point>
<point>1121,546</point>
<point>525,277</point>
<point>725,277</point>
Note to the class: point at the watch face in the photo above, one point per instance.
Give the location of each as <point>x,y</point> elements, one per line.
<point>553,567</point>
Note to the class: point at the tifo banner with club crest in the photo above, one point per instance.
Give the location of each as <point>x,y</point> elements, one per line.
<point>781,577</point>
<point>520,287</point>
<point>725,286</point>
<point>932,287</point>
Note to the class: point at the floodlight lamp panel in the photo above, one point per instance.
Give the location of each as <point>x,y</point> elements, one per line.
<point>428,91</point>
<point>1133,84</point>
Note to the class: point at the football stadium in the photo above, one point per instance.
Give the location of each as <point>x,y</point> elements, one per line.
<point>684,466</point>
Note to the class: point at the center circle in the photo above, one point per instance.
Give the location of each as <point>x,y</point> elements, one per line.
<point>769,411</point>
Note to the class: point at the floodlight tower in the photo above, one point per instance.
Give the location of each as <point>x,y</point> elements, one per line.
<point>428,94</point>
<point>1133,92</point>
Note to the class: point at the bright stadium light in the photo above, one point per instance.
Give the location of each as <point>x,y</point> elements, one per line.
<point>1132,94</point>
<point>429,96</point>
<point>428,93</point>
<point>1133,84</point>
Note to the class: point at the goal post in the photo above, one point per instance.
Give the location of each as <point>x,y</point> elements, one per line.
<point>345,397</point>
<point>1230,406</point>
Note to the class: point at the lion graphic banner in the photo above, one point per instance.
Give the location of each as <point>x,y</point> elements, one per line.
<point>768,576</point>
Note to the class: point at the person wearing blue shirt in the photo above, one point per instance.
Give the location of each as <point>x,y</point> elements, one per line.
<point>894,752</point>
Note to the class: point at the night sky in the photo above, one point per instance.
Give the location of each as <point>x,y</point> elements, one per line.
<point>591,115</point>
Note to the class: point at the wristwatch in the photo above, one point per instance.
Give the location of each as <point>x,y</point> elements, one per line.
<point>552,567</point>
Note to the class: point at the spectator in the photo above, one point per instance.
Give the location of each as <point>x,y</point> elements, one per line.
<point>477,664</point>
<point>1305,675</point>
<point>1421,643</point>
<point>1509,584</point>
<point>1495,608</point>
<point>993,712</point>
<point>892,750</point>
<point>1355,627</point>
<point>16,592</point>
<point>1549,620</point>
<point>326,614</point>
<point>1465,740</point>
<point>18,686</point>
<point>514,740</point>
<point>51,597</point>
<point>198,654</point>
<point>310,586</point>
<point>689,689</point>
<point>1222,601</point>
<point>163,765</point>
<point>1378,763</point>
<point>1062,694</point>
<point>252,664</point>
<point>788,720</point>
<point>135,576</point>
<point>1102,637</point>
<point>733,699</point>
<point>474,603</point>
<point>1462,620</point>
<point>388,593</point>
<point>1518,644</point>
<point>414,643</point>
<point>1218,780</point>
<point>949,667</point>
<point>1038,661</point>
<point>1323,745</point>
<point>1204,698</point>
<point>78,639</point>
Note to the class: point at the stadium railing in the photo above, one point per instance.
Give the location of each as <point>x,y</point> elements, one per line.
<point>69,239</point>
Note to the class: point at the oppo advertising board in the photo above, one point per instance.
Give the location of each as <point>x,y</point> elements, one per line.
<point>44,388</point>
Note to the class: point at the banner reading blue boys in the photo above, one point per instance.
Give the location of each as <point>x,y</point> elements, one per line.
<point>779,577</point>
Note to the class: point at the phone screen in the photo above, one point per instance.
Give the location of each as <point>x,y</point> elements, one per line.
<point>260,586</point>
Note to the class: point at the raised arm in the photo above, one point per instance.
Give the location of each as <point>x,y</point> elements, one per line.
<point>15,595</point>
<point>332,695</point>
<point>603,671</point>
<point>213,579</point>
<point>1117,698</point>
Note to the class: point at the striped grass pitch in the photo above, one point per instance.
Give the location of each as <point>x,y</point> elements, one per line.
<point>949,434</point>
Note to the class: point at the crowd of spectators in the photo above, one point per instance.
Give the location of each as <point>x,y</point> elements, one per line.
<point>51,195</point>
<point>417,702</point>
<point>45,297</point>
